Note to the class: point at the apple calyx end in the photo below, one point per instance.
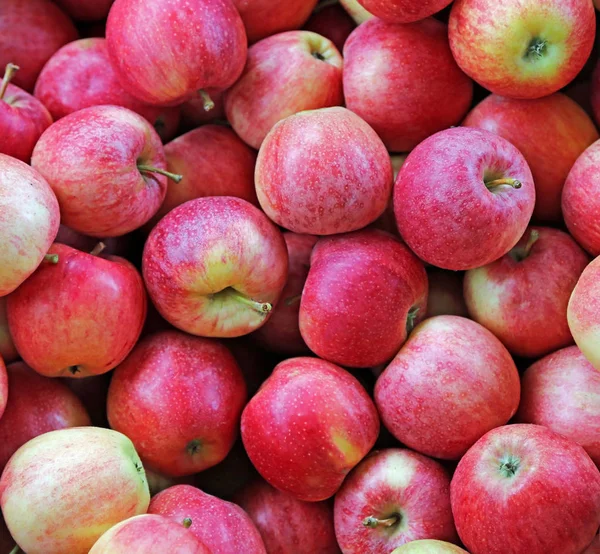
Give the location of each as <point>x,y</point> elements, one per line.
<point>74,370</point>
<point>149,169</point>
<point>187,522</point>
<point>514,183</point>
<point>193,447</point>
<point>536,49</point>
<point>208,103</point>
<point>9,72</point>
<point>51,258</point>
<point>509,467</point>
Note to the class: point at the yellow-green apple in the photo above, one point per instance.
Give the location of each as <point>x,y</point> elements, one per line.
<point>285,74</point>
<point>522,298</point>
<point>392,497</point>
<point>149,534</point>
<point>403,81</point>
<point>281,332</point>
<point>445,293</point>
<point>291,444</point>
<point>60,491</point>
<point>429,546</point>
<point>8,352</point>
<point>30,32</point>
<point>566,130</point>
<point>215,266</point>
<point>333,22</point>
<point>472,218</point>
<point>356,11</point>
<point>323,172</point>
<point>403,11</point>
<point>450,384</point>
<point>88,312</point>
<point>29,221</point>
<point>287,524</point>
<point>36,405</point>
<point>202,395</point>
<point>202,44</point>
<point>364,293</point>
<point>223,526</point>
<point>562,392</point>
<point>522,48</point>
<point>86,10</point>
<point>524,488</point>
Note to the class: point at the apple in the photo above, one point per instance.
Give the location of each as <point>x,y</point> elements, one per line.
<point>36,405</point>
<point>309,424</point>
<point>88,312</point>
<point>202,44</point>
<point>445,294</point>
<point>224,527</point>
<point>560,392</point>
<point>107,167</point>
<point>463,198</point>
<point>285,74</point>
<point>403,81</point>
<point>331,21</point>
<point>550,132</point>
<point>215,266</point>
<point>450,384</point>
<point>8,352</point>
<point>287,524</point>
<point>86,10</point>
<point>392,497</point>
<point>55,503</point>
<point>429,546</point>
<point>323,172</point>
<point>29,222</point>
<point>364,293</point>
<point>193,113</point>
<point>356,11</point>
<point>522,298</point>
<point>522,49</point>
<point>403,11</point>
<point>525,488</point>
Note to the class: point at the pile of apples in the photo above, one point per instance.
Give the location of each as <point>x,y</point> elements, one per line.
<point>279,277</point>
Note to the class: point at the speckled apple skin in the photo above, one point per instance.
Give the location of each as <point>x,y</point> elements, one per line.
<point>8,352</point>
<point>308,425</point>
<point>443,209</point>
<point>403,11</point>
<point>429,546</point>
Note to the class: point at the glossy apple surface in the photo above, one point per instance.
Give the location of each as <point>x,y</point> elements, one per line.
<point>403,11</point>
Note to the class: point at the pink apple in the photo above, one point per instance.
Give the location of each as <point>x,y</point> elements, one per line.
<point>463,198</point>
<point>364,293</point>
<point>522,298</point>
<point>525,488</point>
<point>566,130</point>
<point>88,312</point>
<point>403,11</point>
<point>215,266</point>
<point>331,21</point>
<point>429,546</point>
<point>403,81</point>
<point>8,352</point>
<point>29,222</point>
<point>525,48</point>
<point>356,11</point>
<point>285,74</point>
<point>445,294</point>
<point>55,503</point>
<point>86,10</point>
<point>323,172</point>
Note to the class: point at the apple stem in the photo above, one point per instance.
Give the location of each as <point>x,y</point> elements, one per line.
<point>16,549</point>
<point>373,522</point>
<point>261,307</point>
<point>411,319</point>
<point>98,249</point>
<point>51,258</point>
<point>514,183</point>
<point>149,169</point>
<point>208,101</point>
<point>292,300</point>
<point>187,522</point>
<point>519,254</point>
<point>10,70</point>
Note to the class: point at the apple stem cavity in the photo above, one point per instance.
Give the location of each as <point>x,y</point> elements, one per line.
<point>261,307</point>
<point>9,72</point>
<point>373,522</point>
<point>97,250</point>
<point>536,49</point>
<point>51,258</point>
<point>149,169</point>
<point>514,183</point>
<point>318,56</point>
<point>207,100</point>
<point>187,522</point>
<point>520,253</point>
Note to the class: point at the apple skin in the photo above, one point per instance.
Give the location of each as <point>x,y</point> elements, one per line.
<point>445,294</point>
<point>8,352</point>
<point>290,442</point>
<point>29,221</point>
<point>88,313</point>
<point>224,527</point>
<point>532,489</point>
<point>495,43</point>
<point>54,503</point>
<point>285,74</point>
<point>429,546</point>
<point>459,223</point>
<point>522,298</point>
<point>86,10</point>
<point>332,22</point>
<point>418,89</point>
<point>95,176</point>
<point>560,392</point>
<point>403,11</point>
<point>202,44</point>
<point>343,167</point>
<point>393,483</point>
<point>356,11</point>
<point>450,384</point>
<point>206,251</point>
<point>363,294</point>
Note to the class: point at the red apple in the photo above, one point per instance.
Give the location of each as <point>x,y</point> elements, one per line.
<point>224,527</point>
<point>29,222</point>
<point>524,48</point>
<point>364,293</point>
<point>202,44</point>
<point>445,294</point>
<point>193,113</point>
<point>403,11</point>
<point>356,11</point>
<point>86,10</point>
<point>215,266</point>
<point>550,132</point>
<point>323,172</point>
<point>522,298</point>
<point>309,424</point>
<point>88,312</point>
<point>333,22</point>
<point>287,524</point>
<point>463,198</point>
<point>392,497</point>
<point>450,384</point>
<point>525,488</point>
<point>285,74</point>
<point>403,81</point>
<point>8,352</point>
<point>429,546</point>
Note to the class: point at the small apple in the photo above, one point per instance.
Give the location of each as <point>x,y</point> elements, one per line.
<point>403,11</point>
<point>445,294</point>
<point>429,546</point>
<point>8,352</point>
<point>332,22</point>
